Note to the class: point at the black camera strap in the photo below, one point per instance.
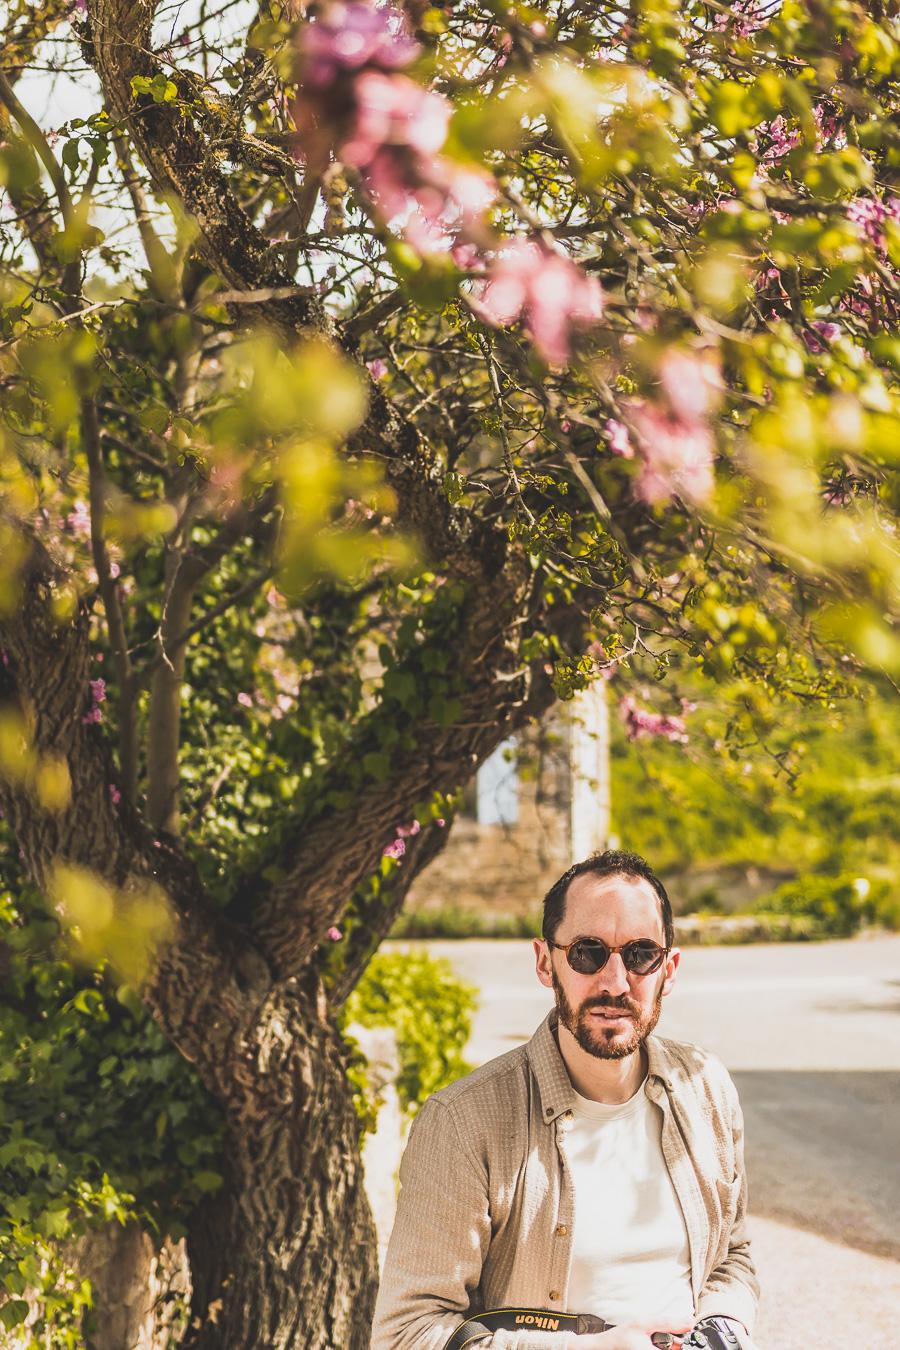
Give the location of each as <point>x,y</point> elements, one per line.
<point>523,1319</point>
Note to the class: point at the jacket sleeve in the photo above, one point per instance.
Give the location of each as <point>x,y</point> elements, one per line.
<point>731,1289</point>
<point>440,1238</point>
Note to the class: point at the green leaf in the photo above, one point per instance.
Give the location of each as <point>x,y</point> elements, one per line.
<point>207,1181</point>
<point>377,766</point>
<point>71,155</point>
<point>453,488</point>
<point>13,1313</point>
<point>445,711</point>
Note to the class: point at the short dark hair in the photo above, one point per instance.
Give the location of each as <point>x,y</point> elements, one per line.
<point>614,862</point>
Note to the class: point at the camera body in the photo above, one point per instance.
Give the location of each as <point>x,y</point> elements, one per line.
<point>710,1333</point>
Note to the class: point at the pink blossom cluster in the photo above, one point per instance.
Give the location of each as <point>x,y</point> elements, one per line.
<point>780,139</point>
<point>530,281</point>
<point>351,35</point>
<point>386,126</point>
<point>743,18</point>
<point>397,847</point>
<point>79,519</point>
<point>355,102</point>
<point>619,441</point>
<point>869,215</point>
<point>674,438</point>
<point>98,694</point>
<point>826,330</point>
<point>640,722</point>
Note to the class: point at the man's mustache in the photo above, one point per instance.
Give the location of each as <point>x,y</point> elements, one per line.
<point>621,1003</point>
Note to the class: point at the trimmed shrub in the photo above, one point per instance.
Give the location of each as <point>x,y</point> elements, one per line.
<point>833,906</point>
<point>430,1010</point>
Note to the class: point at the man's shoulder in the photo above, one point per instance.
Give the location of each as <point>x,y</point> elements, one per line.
<point>690,1067</point>
<point>496,1081</point>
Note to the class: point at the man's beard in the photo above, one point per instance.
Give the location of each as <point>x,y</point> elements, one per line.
<point>598,1040</point>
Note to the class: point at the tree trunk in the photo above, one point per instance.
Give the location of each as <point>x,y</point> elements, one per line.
<point>285,1258</point>
<point>139,1291</point>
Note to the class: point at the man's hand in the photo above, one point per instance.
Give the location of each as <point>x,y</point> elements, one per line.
<point>630,1337</point>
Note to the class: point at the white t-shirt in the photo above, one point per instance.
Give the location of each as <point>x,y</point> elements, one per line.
<point>630,1256</point>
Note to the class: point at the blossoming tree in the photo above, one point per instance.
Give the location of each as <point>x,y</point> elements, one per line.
<point>372,378</point>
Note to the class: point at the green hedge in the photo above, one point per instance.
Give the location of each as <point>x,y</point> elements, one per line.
<point>430,1010</point>
<point>833,906</point>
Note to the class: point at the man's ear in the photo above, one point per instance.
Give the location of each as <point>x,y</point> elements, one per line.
<point>542,962</point>
<point>671,966</point>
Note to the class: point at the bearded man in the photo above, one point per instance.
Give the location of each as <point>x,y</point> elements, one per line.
<point>596,1171</point>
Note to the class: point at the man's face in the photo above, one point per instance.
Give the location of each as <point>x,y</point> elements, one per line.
<point>609,1014</point>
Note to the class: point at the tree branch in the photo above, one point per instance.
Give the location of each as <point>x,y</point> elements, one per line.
<point>226,603</point>
<point>127,704</point>
<point>184,571</point>
<point>38,142</point>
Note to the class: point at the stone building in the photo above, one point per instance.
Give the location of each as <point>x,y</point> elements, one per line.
<point>539,803</point>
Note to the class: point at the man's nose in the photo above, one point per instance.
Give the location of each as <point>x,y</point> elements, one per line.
<point>613,978</point>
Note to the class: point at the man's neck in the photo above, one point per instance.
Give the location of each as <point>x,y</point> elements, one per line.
<point>610,1081</point>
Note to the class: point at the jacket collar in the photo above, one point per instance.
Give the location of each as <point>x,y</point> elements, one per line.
<point>554,1085</point>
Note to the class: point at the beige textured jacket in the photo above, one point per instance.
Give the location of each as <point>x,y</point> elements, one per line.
<point>486,1204</point>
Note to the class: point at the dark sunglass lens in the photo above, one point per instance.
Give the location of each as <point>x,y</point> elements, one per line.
<point>588,957</point>
<point>642,957</point>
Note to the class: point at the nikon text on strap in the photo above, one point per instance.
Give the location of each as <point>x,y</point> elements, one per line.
<point>523,1319</point>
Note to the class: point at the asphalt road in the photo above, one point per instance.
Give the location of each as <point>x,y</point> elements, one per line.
<point>811,1034</point>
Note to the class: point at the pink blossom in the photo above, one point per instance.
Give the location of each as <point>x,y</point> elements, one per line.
<point>394,110</point>
<point>827,331</point>
<point>743,17</point>
<point>115,794</point>
<point>869,215</point>
<point>350,35</point>
<point>678,457</point>
<point>395,850</point>
<point>377,368</point>
<point>98,694</point>
<point>640,722</point>
<point>619,443</point>
<point>527,280</point>
<point>79,519</point>
<point>692,387</point>
<point>440,823</point>
<point>334,935</point>
<point>404,831</point>
<point>245,700</point>
<point>780,142</point>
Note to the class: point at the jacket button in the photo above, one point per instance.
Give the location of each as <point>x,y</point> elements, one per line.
<point>554,1295</point>
<point>561,1230</point>
<point>549,1111</point>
